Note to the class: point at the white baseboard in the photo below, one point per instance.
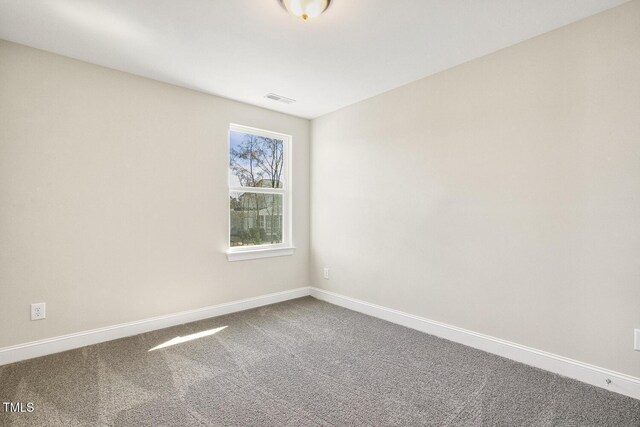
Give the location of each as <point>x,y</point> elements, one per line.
<point>47,346</point>
<point>619,383</point>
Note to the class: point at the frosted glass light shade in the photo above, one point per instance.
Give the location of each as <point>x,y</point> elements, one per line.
<point>305,9</point>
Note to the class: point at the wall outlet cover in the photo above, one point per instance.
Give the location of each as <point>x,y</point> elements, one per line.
<point>636,340</point>
<point>38,311</point>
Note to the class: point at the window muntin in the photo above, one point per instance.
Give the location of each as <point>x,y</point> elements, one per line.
<point>259,202</point>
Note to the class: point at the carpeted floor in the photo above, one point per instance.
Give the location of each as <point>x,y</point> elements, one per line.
<point>302,362</point>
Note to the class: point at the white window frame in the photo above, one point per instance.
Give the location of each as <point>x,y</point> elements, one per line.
<point>241,253</point>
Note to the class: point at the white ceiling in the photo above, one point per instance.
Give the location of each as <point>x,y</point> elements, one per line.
<point>244,49</point>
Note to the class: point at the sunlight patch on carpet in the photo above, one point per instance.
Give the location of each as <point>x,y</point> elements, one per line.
<point>186,338</point>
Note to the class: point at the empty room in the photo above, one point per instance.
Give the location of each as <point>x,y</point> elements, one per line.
<point>320,213</point>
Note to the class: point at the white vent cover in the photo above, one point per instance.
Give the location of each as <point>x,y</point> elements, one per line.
<point>279,98</point>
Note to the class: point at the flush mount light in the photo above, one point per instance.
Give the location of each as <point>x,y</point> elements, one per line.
<point>305,9</point>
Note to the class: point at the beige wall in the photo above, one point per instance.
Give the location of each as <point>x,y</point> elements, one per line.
<point>114,205</point>
<point>501,196</point>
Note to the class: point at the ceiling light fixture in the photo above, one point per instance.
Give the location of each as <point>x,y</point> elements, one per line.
<point>305,9</point>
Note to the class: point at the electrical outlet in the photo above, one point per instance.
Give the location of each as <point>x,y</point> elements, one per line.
<point>38,311</point>
<point>636,341</point>
<point>325,273</point>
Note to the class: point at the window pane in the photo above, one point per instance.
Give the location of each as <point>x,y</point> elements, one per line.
<point>256,219</point>
<point>255,161</point>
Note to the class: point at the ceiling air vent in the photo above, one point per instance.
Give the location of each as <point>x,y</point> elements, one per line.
<point>279,98</point>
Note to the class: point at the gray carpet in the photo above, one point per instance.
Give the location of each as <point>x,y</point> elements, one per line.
<point>302,362</point>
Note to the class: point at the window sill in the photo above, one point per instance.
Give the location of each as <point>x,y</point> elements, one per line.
<point>244,255</point>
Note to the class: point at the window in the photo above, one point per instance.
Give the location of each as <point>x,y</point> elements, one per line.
<point>259,194</point>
